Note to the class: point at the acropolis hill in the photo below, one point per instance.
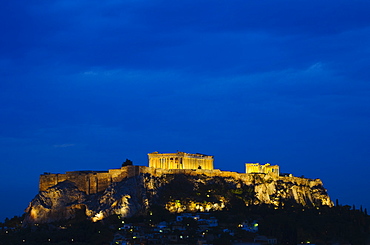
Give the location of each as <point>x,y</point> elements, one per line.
<point>132,189</point>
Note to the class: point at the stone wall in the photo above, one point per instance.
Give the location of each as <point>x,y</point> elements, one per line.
<point>87,181</point>
<point>96,181</point>
<point>91,181</point>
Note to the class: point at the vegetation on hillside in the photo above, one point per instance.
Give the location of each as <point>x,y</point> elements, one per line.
<point>289,224</point>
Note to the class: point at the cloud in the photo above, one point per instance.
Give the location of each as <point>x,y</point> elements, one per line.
<point>198,36</point>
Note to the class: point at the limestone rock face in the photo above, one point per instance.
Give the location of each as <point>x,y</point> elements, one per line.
<point>176,193</point>
<point>59,202</point>
<point>64,201</point>
<point>125,198</point>
<point>272,189</point>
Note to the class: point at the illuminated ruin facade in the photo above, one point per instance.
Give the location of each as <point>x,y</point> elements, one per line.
<point>180,160</point>
<point>251,168</point>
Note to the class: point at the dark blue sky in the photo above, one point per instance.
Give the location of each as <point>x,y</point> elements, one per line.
<point>86,84</point>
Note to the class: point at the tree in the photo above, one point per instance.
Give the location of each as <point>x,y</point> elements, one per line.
<point>127,163</point>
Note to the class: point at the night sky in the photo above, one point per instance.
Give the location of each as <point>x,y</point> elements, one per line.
<point>86,84</point>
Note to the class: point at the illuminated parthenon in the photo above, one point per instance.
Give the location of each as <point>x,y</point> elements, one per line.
<point>180,160</point>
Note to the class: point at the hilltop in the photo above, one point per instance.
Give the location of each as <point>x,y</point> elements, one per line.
<point>140,189</point>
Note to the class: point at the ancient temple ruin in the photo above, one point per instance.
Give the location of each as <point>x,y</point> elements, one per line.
<point>180,160</point>
<point>251,168</point>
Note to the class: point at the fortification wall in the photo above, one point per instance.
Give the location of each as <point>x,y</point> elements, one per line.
<point>93,182</point>
<point>90,181</point>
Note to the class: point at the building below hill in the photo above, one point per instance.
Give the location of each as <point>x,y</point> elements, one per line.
<point>180,160</point>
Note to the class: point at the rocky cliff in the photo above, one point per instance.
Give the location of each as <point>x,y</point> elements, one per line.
<point>176,193</point>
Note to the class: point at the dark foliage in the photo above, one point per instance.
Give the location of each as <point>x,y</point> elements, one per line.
<point>202,189</point>
<point>289,224</point>
<point>127,163</point>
